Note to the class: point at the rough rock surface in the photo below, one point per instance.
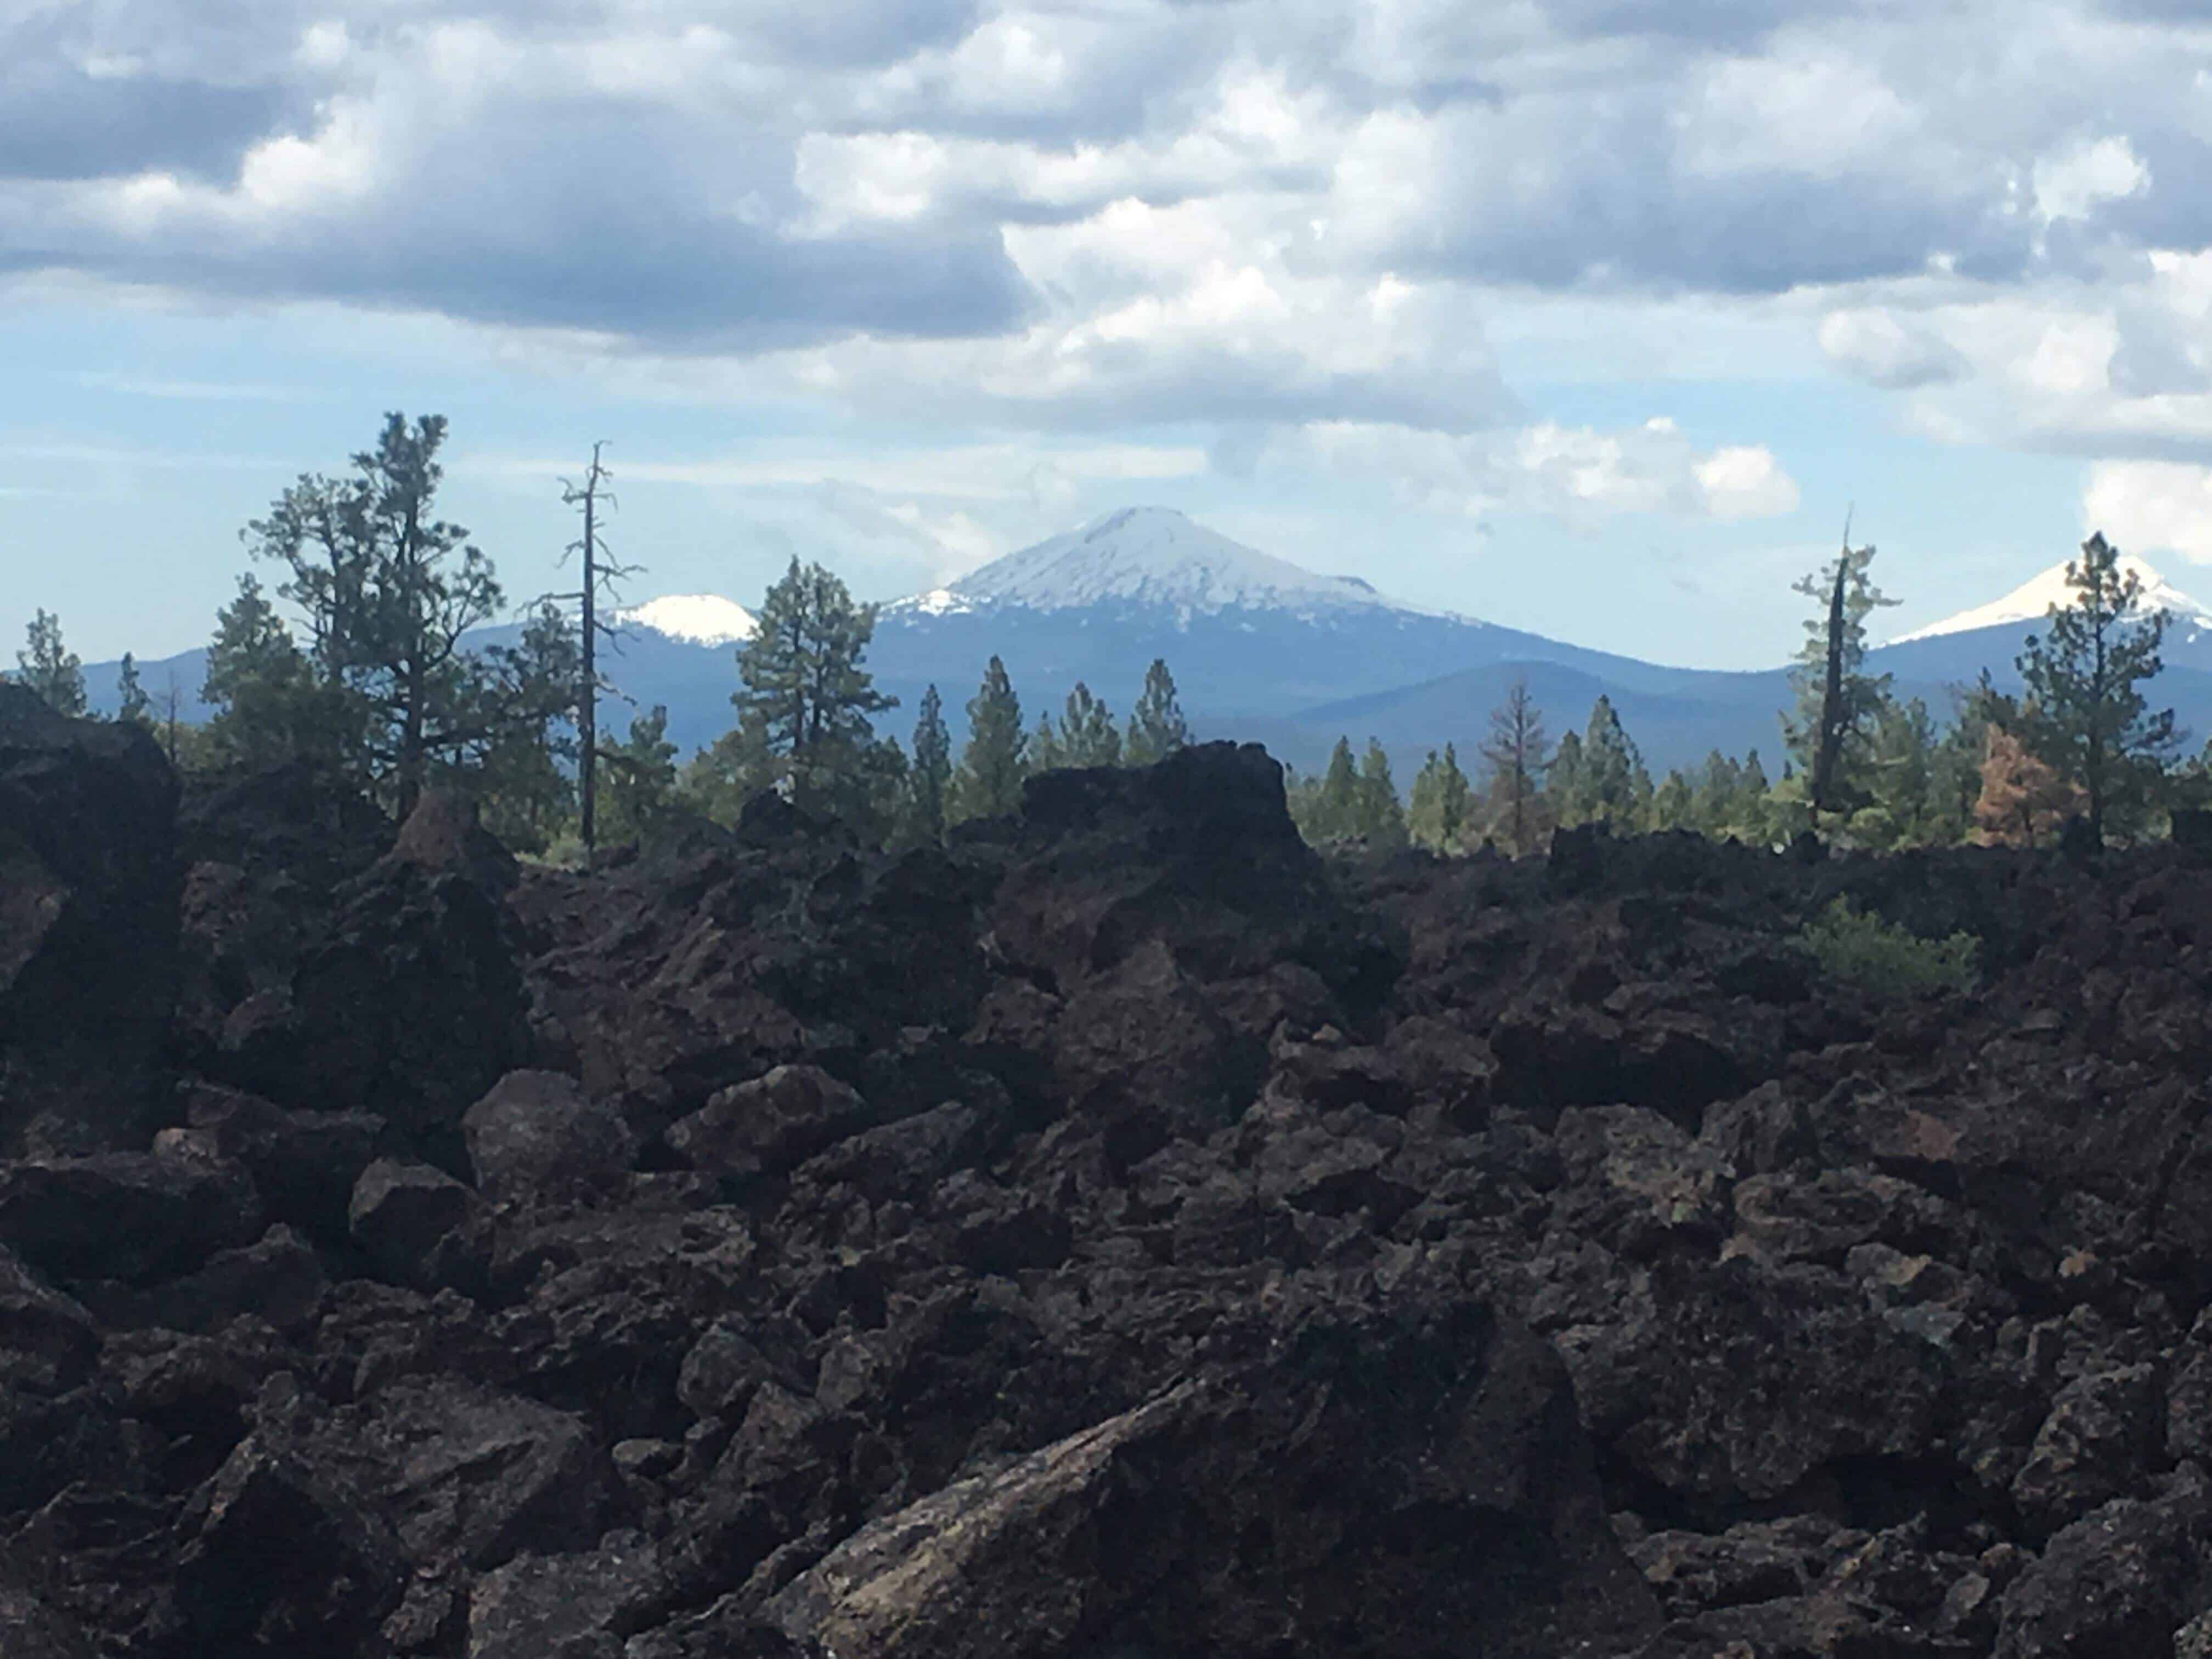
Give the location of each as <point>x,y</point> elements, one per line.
<point>90,884</point>
<point>1122,1232</point>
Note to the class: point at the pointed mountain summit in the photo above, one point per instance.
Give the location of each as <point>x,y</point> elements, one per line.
<point>2032,601</point>
<point>693,618</point>
<point>1151,559</point>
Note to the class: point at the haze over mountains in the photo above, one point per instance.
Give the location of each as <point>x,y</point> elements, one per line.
<point>1266,650</point>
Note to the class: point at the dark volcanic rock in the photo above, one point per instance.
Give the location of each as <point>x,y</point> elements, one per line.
<point>535,1135</point>
<point>401,1213</point>
<point>1274,1504</point>
<point>278,1560</point>
<point>131,1216</point>
<point>408,1002</point>
<point>771,1123</point>
<point>90,886</point>
<point>1122,1231</point>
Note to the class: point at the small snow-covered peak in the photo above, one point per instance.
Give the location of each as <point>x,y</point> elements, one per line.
<point>2032,600</point>
<point>693,618</point>
<point>1154,556</point>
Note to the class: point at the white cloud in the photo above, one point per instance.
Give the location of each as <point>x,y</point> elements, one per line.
<point>1744,481</point>
<point>2075,182</point>
<point>1889,351</point>
<point>2151,507</point>
<point>1581,476</point>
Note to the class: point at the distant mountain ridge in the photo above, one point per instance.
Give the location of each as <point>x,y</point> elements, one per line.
<point>1264,649</point>
<point>1150,557</point>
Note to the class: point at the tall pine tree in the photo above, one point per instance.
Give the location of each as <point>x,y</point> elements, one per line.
<point>133,706</point>
<point>1088,735</point>
<point>1515,762</point>
<point>1157,728</point>
<point>1836,698</point>
<point>929,776</point>
<point>51,668</point>
<point>2090,723</point>
<point>994,762</point>
<point>803,707</point>
<point>1337,805</point>
<point>1382,821</point>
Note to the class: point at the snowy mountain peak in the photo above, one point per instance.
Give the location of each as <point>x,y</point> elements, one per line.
<point>2032,600</point>
<point>693,618</point>
<point>1155,557</point>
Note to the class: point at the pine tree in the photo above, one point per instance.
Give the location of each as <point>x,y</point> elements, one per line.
<point>2023,800</point>
<point>993,764</point>
<point>639,777</point>
<point>1563,782</point>
<point>1157,728</point>
<point>1713,801</point>
<point>134,707</point>
<point>1382,816</point>
<point>517,761</point>
<point>2091,725</point>
<point>50,668</point>
<point>1441,805</point>
<point>1753,815</point>
<point>270,706</point>
<point>1672,803</point>
<point>1836,697</point>
<point>1516,763</point>
<point>1302,796</point>
<point>388,590</point>
<point>929,778</point>
<point>1337,803</point>
<point>1424,804</point>
<point>1046,752</point>
<point>1088,734</point>
<point>803,711</point>
<point>1611,783</point>
<point>1901,772</point>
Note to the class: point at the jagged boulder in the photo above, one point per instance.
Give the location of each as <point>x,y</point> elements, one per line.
<point>408,1002</point>
<point>1359,1484</point>
<point>90,886</point>
<point>130,1216</point>
<point>537,1136</point>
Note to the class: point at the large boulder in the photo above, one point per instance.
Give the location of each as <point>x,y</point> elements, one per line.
<point>537,1136</point>
<point>408,1002</point>
<point>131,1216</point>
<point>1385,1484</point>
<point>1199,852</point>
<point>89,883</point>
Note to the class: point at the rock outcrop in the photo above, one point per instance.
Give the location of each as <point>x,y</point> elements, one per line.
<point>1122,1232</point>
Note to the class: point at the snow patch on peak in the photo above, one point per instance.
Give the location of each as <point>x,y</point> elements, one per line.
<point>2032,600</point>
<point>693,618</point>
<point>1157,557</point>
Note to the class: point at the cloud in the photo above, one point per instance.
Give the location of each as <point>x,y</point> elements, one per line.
<point>1581,476</point>
<point>2151,507</point>
<point>1888,350</point>
<point>2074,183</point>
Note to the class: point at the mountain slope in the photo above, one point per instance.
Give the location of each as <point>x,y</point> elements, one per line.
<point>1153,558</point>
<point>1263,649</point>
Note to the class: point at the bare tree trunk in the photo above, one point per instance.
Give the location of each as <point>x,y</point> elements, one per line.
<point>587,701</point>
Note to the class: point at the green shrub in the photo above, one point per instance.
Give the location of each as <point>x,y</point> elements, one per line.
<point>1848,944</point>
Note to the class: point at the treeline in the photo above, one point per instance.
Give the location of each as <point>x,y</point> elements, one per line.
<point>374,681</point>
<point>1861,766</point>
<point>378,685</point>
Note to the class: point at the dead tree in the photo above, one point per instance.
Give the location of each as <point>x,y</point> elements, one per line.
<point>600,572</point>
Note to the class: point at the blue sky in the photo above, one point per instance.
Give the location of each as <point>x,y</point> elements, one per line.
<point>1586,316</point>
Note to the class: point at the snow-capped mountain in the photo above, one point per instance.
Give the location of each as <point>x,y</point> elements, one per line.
<point>693,618</point>
<point>2032,600</point>
<point>1263,649</point>
<point>1151,558</point>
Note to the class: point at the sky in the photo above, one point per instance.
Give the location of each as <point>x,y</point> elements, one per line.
<point>1590,316</point>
